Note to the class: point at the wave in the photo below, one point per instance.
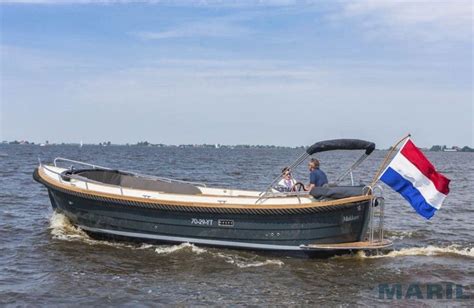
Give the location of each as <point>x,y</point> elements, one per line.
<point>243,262</point>
<point>399,235</point>
<point>239,261</point>
<point>175,248</point>
<point>62,229</point>
<point>452,250</point>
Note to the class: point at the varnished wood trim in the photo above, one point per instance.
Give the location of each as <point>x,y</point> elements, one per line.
<point>365,245</point>
<point>343,201</point>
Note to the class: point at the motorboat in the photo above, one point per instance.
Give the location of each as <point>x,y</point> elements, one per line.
<point>118,204</point>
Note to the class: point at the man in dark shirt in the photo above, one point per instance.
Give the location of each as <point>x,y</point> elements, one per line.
<point>317,177</point>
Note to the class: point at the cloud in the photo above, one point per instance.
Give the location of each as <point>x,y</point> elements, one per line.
<point>234,24</point>
<point>201,3</point>
<point>210,28</point>
<point>425,20</point>
<point>62,2</point>
<point>65,2</point>
<point>406,19</point>
<point>205,92</point>
<point>185,100</point>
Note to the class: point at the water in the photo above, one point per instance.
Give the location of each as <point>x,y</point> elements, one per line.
<point>46,261</point>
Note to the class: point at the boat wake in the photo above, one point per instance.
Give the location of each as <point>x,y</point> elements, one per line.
<point>399,235</point>
<point>62,229</point>
<point>175,248</point>
<point>428,251</point>
<point>452,250</point>
<point>239,261</point>
<point>243,262</point>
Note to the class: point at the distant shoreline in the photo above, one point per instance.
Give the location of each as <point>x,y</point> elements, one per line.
<point>435,148</point>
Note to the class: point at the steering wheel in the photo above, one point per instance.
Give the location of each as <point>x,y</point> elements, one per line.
<point>298,187</point>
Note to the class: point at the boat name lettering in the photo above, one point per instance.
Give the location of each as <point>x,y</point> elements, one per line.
<point>199,221</point>
<point>349,218</point>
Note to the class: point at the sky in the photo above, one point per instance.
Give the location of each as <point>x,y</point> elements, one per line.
<point>277,72</point>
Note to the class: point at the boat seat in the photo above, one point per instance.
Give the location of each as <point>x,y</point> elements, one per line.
<point>128,180</point>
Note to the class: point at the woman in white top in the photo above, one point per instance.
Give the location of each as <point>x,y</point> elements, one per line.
<point>287,182</point>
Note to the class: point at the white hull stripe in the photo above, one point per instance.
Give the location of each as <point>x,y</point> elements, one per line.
<point>423,184</point>
<point>191,240</point>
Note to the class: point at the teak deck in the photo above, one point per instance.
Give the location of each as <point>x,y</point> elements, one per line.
<point>366,245</point>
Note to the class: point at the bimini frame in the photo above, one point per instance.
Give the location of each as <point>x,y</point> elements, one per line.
<point>152,177</point>
<point>323,146</point>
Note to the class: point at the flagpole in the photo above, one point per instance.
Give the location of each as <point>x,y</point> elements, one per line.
<point>384,163</point>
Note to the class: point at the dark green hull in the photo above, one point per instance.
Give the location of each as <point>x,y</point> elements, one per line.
<point>249,230</point>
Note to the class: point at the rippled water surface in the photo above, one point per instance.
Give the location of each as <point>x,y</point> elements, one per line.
<point>44,260</point>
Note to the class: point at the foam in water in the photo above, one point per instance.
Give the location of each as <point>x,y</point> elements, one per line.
<point>63,229</point>
<point>421,251</point>
<point>431,251</point>
<point>236,260</point>
<point>184,246</point>
<point>399,235</point>
<point>244,263</point>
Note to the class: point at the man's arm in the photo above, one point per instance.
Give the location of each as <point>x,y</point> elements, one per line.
<point>312,181</point>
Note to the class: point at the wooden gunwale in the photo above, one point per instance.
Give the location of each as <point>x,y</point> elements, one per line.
<point>343,201</point>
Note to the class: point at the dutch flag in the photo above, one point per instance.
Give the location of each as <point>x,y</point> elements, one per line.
<point>416,179</point>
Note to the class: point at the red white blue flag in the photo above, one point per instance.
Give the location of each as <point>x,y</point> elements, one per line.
<point>412,175</point>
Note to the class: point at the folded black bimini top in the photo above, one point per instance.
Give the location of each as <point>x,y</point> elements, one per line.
<point>336,192</point>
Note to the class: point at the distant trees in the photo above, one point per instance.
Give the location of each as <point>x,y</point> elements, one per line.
<point>437,148</point>
<point>441,148</point>
<point>434,148</point>
<point>467,149</point>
